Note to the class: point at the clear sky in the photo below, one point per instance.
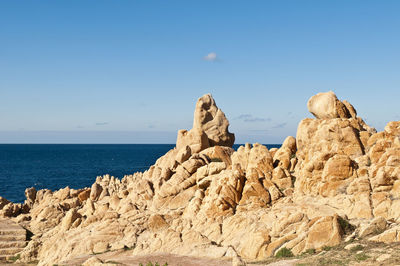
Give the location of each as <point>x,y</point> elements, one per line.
<point>131,71</point>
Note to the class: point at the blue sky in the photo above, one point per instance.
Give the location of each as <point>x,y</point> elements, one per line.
<point>131,71</point>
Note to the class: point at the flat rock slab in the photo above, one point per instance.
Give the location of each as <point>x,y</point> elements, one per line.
<point>12,239</point>
<point>7,226</point>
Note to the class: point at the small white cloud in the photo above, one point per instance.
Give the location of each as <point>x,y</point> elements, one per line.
<point>211,57</point>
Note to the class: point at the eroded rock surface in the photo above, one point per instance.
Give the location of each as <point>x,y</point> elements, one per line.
<point>202,198</point>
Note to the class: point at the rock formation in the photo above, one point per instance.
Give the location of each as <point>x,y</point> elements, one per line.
<point>202,198</point>
<point>210,128</point>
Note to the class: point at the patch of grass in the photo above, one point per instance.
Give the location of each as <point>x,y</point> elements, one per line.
<point>15,258</point>
<point>310,251</point>
<point>357,248</point>
<point>326,248</point>
<point>331,261</point>
<point>151,264</point>
<point>284,253</point>
<point>361,257</point>
<point>216,160</point>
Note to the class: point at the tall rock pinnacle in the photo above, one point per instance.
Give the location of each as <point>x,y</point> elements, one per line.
<point>210,127</point>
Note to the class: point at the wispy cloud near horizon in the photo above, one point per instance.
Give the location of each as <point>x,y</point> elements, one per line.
<point>102,123</point>
<point>281,125</point>
<point>248,118</point>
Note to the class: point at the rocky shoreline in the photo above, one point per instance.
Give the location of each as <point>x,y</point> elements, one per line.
<point>336,181</point>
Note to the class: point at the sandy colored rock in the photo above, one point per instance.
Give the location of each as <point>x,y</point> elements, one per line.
<point>212,121</point>
<point>383,257</point>
<point>30,194</point>
<point>84,195</point>
<point>326,105</point>
<point>3,202</point>
<point>95,191</point>
<point>324,231</point>
<point>92,261</point>
<point>204,199</point>
<point>376,225</point>
<point>210,127</point>
<point>196,139</point>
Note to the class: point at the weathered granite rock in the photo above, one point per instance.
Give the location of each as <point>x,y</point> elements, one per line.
<point>3,202</point>
<point>210,127</point>
<point>326,105</point>
<point>202,198</point>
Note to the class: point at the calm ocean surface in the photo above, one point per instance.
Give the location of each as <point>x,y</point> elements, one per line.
<point>55,166</point>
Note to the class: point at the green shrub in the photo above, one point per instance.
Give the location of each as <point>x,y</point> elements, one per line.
<point>310,251</point>
<point>15,258</point>
<point>331,261</point>
<point>284,253</point>
<point>216,160</point>
<point>361,257</point>
<point>151,264</point>
<point>357,248</point>
<point>326,248</point>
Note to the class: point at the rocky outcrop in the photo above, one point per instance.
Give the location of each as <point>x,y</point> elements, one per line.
<point>210,127</point>
<point>202,198</point>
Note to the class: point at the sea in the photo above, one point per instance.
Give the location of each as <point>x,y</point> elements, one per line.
<point>55,166</point>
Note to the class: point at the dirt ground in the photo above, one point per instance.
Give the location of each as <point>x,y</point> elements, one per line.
<point>362,252</point>
<point>124,258</point>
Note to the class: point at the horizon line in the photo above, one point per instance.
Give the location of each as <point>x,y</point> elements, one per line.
<point>118,143</point>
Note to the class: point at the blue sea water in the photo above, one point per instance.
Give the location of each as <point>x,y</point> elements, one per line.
<point>54,166</point>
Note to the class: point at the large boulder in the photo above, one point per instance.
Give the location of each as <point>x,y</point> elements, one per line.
<point>326,105</point>
<point>324,231</point>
